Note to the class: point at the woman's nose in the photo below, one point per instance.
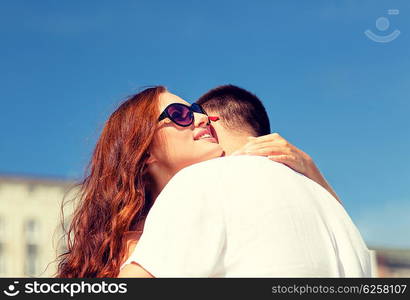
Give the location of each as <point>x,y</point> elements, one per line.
<point>201,120</point>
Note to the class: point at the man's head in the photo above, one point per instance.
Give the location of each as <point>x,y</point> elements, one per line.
<point>241,114</point>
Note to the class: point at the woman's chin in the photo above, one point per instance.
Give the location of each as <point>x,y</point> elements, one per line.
<point>215,151</point>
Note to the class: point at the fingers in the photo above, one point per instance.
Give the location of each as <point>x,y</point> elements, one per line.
<point>267,150</point>
<point>276,148</point>
<point>266,138</point>
<point>281,157</point>
<point>287,160</point>
<point>259,145</point>
<point>266,141</point>
<point>271,144</point>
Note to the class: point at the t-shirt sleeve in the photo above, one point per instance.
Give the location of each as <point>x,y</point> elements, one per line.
<point>184,233</point>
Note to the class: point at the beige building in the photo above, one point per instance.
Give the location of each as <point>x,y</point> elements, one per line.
<point>393,262</point>
<point>30,228</point>
<point>30,225</point>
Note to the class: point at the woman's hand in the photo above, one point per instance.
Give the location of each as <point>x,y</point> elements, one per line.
<point>278,149</point>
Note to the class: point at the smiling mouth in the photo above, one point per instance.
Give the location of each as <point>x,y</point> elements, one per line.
<point>205,135</point>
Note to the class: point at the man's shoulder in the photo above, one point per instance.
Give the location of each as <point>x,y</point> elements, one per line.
<point>231,165</point>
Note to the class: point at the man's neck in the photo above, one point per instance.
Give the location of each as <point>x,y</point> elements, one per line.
<point>236,142</point>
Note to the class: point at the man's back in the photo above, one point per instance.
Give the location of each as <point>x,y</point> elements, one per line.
<point>249,217</point>
<point>280,223</point>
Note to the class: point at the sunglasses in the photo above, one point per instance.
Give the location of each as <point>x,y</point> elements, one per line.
<point>181,114</point>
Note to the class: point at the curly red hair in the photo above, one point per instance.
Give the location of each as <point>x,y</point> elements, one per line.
<point>115,194</point>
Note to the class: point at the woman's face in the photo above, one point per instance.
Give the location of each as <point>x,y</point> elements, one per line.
<point>175,147</point>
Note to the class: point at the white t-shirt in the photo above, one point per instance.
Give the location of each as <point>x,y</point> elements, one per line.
<point>246,216</point>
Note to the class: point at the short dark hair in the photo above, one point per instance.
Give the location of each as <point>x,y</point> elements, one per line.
<point>237,108</point>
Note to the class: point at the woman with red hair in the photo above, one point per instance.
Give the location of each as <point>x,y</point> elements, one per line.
<point>135,156</point>
<point>144,143</point>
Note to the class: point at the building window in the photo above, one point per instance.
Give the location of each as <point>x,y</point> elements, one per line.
<point>2,260</point>
<point>31,187</point>
<point>2,229</point>
<point>31,260</point>
<point>32,233</point>
<point>2,247</point>
<point>32,229</point>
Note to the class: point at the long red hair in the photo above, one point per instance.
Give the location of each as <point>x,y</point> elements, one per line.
<point>115,194</point>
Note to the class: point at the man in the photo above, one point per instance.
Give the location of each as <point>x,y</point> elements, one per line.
<point>246,216</point>
<point>242,117</point>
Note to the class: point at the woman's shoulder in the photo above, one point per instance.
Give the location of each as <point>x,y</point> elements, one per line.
<point>132,238</point>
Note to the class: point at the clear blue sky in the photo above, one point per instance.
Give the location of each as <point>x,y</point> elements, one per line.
<point>328,88</point>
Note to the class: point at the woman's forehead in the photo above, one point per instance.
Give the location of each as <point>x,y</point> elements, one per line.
<point>167,98</point>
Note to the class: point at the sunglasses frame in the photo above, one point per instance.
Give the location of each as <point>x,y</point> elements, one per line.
<point>194,108</point>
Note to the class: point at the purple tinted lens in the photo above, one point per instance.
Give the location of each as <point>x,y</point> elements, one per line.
<point>180,114</point>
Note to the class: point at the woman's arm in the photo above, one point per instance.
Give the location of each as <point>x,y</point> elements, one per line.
<point>134,270</point>
<point>280,150</point>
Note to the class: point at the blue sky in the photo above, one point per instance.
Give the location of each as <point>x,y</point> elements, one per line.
<point>329,89</point>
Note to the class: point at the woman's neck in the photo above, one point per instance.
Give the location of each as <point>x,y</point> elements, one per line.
<point>160,181</point>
